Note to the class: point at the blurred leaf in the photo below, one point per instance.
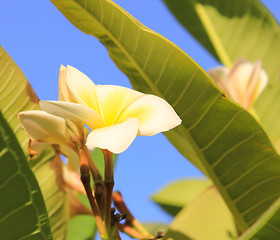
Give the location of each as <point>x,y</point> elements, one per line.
<point>16,95</point>
<point>176,195</point>
<point>233,29</point>
<point>154,227</point>
<point>218,136</point>
<point>82,227</point>
<point>263,228</point>
<point>23,214</point>
<point>206,218</point>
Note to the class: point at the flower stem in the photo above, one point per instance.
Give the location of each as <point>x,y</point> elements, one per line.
<point>99,187</point>
<point>85,178</point>
<point>109,184</point>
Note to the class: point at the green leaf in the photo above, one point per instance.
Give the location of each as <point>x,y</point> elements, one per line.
<point>263,228</point>
<point>16,95</point>
<point>82,227</point>
<point>155,227</point>
<point>206,218</point>
<point>218,136</point>
<point>176,195</point>
<point>233,29</point>
<point>23,213</point>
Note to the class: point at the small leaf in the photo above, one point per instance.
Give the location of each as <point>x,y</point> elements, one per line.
<point>176,195</point>
<point>22,212</point>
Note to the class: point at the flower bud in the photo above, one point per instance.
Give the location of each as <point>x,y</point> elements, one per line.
<point>243,83</point>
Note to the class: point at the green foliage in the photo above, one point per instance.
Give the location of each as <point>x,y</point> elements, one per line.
<point>264,227</point>
<point>233,29</point>
<point>22,213</point>
<point>81,227</point>
<point>218,136</point>
<point>17,95</point>
<point>207,217</point>
<point>176,195</point>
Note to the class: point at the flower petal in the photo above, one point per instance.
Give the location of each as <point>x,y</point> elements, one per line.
<point>64,93</point>
<point>116,138</point>
<point>113,99</point>
<point>81,87</point>
<point>154,113</point>
<point>42,126</point>
<point>239,79</point>
<point>73,111</point>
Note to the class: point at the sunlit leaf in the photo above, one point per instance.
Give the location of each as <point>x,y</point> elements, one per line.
<point>173,197</point>
<point>218,136</point>
<point>16,94</point>
<point>23,214</point>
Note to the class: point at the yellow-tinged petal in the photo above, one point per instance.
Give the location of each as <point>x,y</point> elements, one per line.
<point>42,126</point>
<point>155,115</point>
<point>64,93</point>
<point>116,138</point>
<point>73,111</point>
<point>113,100</point>
<point>81,87</point>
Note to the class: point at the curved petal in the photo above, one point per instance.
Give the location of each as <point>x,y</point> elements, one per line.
<point>64,93</point>
<point>116,138</point>
<point>73,111</point>
<point>42,126</point>
<point>239,79</point>
<point>113,99</point>
<point>154,113</point>
<point>81,87</point>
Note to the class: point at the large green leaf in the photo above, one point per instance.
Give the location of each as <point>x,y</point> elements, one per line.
<point>173,197</point>
<point>17,95</point>
<point>234,29</point>
<point>206,218</point>
<point>23,214</point>
<point>220,137</point>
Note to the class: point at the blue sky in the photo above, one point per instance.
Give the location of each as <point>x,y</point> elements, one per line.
<point>39,38</point>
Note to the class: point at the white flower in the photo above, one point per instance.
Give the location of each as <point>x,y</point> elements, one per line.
<point>244,82</point>
<point>115,114</point>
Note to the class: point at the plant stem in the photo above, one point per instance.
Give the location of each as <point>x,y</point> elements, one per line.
<point>99,187</point>
<point>109,184</point>
<point>85,178</point>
